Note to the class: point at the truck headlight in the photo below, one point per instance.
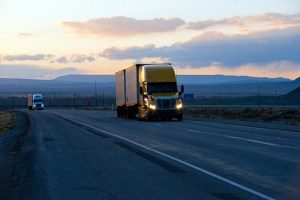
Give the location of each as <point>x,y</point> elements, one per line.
<point>152,106</point>
<point>179,105</point>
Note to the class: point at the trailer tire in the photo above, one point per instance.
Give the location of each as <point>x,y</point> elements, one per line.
<point>179,118</point>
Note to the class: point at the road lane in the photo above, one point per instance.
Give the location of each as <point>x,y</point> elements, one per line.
<point>266,168</point>
<point>74,161</point>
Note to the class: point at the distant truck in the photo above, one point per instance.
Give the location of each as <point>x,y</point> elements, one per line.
<point>148,91</point>
<point>35,102</point>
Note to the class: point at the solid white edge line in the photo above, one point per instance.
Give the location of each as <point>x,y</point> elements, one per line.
<point>180,161</point>
<point>252,127</point>
<point>237,138</point>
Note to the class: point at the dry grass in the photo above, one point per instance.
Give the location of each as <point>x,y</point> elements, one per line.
<point>7,120</point>
<point>273,115</point>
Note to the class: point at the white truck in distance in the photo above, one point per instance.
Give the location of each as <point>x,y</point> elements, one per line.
<point>35,102</point>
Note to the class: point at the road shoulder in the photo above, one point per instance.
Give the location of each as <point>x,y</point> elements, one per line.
<point>17,158</point>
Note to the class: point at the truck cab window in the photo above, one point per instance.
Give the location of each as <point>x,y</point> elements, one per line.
<point>162,87</point>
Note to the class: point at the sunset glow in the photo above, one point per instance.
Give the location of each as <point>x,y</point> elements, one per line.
<point>46,39</point>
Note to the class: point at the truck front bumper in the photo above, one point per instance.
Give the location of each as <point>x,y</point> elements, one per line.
<point>164,113</point>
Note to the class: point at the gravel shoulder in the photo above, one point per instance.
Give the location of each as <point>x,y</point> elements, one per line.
<point>17,159</point>
<point>7,120</point>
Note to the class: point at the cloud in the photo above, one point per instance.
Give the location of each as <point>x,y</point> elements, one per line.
<point>134,52</point>
<point>74,58</point>
<point>265,21</point>
<point>62,59</point>
<point>275,69</point>
<point>33,71</point>
<point>124,26</point>
<point>215,48</point>
<point>25,34</point>
<point>24,57</point>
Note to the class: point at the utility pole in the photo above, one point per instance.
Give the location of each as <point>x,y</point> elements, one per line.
<point>74,100</point>
<point>96,93</point>
<point>258,95</point>
<point>103,100</point>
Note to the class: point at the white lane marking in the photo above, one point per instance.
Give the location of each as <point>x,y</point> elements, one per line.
<point>157,125</point>
<point>238,138</point>
<point>180,161</point>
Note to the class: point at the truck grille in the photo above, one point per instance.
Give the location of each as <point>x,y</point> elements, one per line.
<point>166,104</point>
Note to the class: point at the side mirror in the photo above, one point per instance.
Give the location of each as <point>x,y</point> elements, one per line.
<point>144,88</point>
<point>181,90</point>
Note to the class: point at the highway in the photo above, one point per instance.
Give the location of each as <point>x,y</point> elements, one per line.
<point>81,154</point>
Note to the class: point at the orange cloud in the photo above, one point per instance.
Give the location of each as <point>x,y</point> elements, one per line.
<point>124,26</point>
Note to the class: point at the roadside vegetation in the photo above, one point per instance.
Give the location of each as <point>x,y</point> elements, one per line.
<point>7,120</point>
<point>273,115</point>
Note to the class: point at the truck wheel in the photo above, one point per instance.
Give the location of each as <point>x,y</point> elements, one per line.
<point>179,118</point>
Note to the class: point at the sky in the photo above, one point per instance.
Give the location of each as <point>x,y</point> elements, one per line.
<point>44,39</point>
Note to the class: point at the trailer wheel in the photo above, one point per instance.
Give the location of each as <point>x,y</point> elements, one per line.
<point>179,118</point>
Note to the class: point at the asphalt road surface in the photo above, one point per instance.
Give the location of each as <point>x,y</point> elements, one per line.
<point>79,154</point>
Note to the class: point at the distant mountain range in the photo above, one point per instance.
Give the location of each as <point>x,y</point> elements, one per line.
<point>182,79</point>
<point>199,85</point>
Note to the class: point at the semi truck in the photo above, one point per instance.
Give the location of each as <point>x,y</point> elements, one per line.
<point>35,102</point>
<point>148,91</point>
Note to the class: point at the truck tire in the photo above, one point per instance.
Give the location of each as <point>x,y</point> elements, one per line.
<point>179,118</point>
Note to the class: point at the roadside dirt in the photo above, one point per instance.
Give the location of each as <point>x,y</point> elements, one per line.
<point>271,115</point>
<point>7,120</point>
<point>17,160</point>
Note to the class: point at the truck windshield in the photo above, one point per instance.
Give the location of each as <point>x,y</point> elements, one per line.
<point>161,87</point>
<point>37,100</point>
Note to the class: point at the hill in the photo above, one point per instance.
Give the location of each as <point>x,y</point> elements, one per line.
<point>182,79</point>
<point>200,85</point>
<point>295,92</point>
